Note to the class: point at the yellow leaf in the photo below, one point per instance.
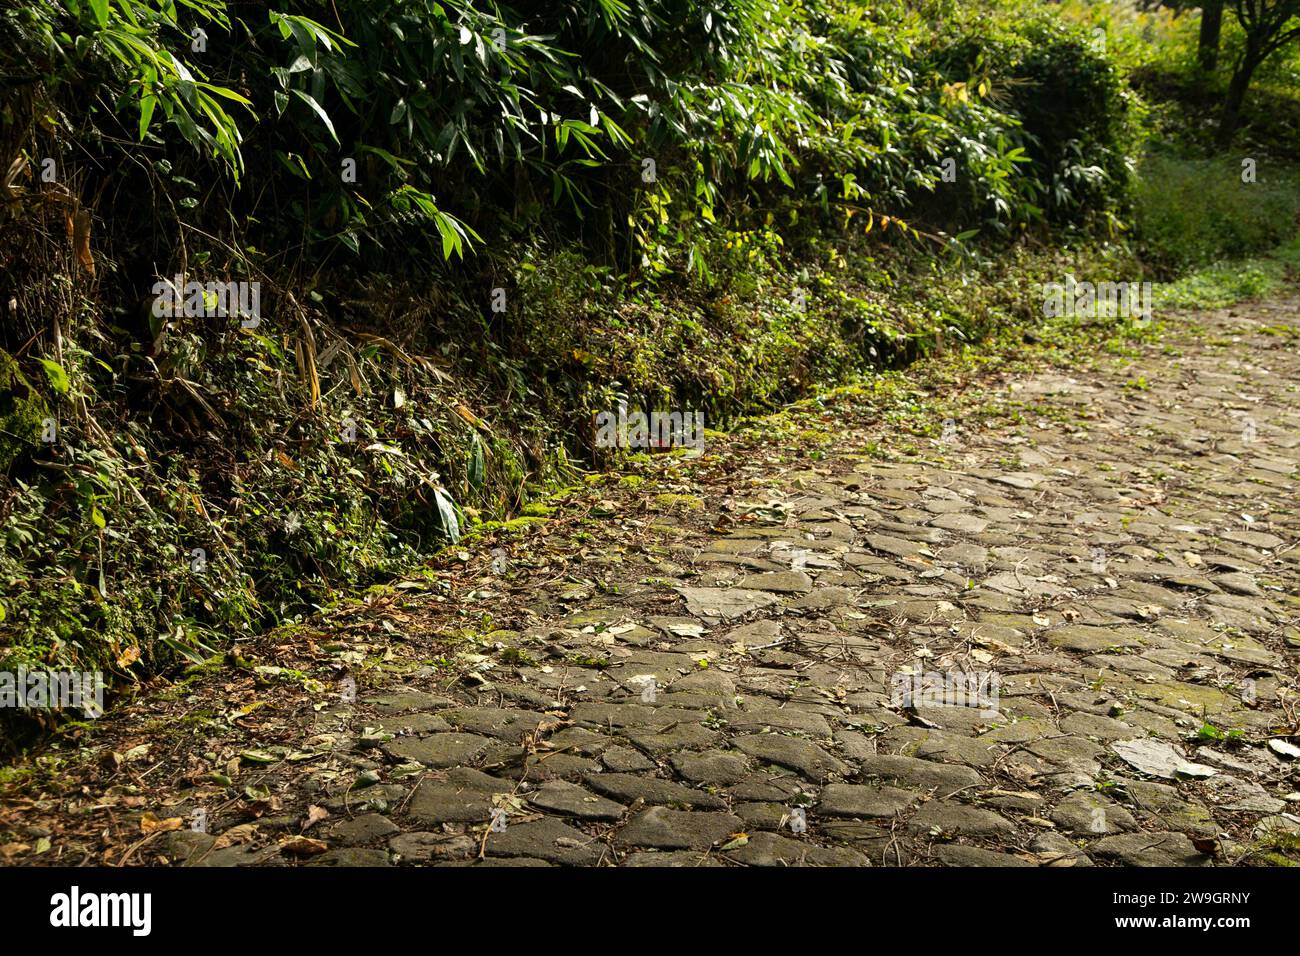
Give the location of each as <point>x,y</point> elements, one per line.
<point>469,416</point>
<point>355,374</point>
<point>735,841</point>
<point>151,824</point>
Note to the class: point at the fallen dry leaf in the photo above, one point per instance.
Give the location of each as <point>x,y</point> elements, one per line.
<point>303,846</point>
<point>1056,859</point>
<point>315,815</point>
<point>151,824</point>
<point>240,834</point>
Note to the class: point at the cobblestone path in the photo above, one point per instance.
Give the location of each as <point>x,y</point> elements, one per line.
<point>1062,631</point>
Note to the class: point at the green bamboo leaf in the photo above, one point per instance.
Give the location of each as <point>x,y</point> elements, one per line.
<point>447,514</point>
<point>147,104</point>
<point>477,464</point>
<point>226,93</point>
<point>319,110</point>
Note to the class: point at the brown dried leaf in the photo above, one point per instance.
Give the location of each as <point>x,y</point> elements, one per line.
<point>243,833</point>
<point>303,846</point>
<point>78,223</point>
<point>315,815</point>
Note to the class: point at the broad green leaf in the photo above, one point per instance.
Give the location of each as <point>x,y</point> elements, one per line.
<point>147,104</point>
<point>319,111</point>
<point>57,376</point>
<point>447,514</point>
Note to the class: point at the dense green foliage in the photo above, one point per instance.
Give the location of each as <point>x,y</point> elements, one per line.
<point>448,108</point>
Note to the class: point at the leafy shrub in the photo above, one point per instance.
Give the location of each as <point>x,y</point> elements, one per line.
<point>408,121</point>
<point>1072,102</point>
<point>1193,212</point>
<point>130,57</point>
